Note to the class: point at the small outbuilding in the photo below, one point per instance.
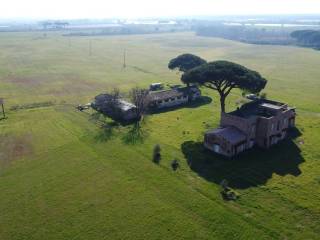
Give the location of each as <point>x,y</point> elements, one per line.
<point>117,109</point>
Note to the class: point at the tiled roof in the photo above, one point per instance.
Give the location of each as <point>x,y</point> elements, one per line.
<point>172,93</point>
<point>231,134</point>
<point>102,101</point>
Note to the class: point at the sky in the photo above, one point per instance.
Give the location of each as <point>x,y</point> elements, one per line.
<point>71,9</point>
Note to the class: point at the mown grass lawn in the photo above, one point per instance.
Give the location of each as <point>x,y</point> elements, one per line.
<point>63,176</point>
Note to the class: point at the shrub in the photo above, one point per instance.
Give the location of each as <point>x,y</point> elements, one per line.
<point>31,105</point>
<point>156,154</point>
<point>175,164</point>
<point>263,95</point>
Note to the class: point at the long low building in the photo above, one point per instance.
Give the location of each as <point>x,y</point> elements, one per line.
<point>117,109</point>
<point>173,97</point>
<point>261,122</point>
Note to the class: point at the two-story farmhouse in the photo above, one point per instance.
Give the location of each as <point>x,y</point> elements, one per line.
<point>173,97</point>
<point>260,122</point>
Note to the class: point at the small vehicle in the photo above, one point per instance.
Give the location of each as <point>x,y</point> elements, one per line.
<point>252,96</point>
<point>156,86</point>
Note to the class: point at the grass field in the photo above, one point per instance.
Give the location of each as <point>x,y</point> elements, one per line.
<point>63,176</point>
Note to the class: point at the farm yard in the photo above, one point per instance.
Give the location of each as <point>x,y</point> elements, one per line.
<point>66,174</point>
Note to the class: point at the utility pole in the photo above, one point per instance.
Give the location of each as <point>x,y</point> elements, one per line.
<point>2,105</point>
<point>124,59</point>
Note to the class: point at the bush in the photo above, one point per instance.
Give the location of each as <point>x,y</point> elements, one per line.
<point>156,154</point>
<point>229,194</point>
<point>263,95</point>
<point>175,164</point>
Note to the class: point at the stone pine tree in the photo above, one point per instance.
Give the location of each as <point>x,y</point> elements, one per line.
<point>223,76</point>
<point>185,62</point>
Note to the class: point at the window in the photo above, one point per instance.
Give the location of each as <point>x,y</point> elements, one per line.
<point>251,143</point>
<point>167,100</point>
<point>240,148</point>
<point>179,97</point>
<point>291,122</point>
<point>159,102</point>
<point>285,122</point>
<point>278,125</point>
<point>216,148</point>
<point>253,129</point>
<point>272,127</point>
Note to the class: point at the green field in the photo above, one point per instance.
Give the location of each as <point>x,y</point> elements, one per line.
<point>64,175</point>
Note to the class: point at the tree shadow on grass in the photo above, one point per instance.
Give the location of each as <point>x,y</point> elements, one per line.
<point>203,100</point>
<point>250,169</point>
<point>136,134</point>
<point>100,119</point>
<point>107,127</point>
<point>106,131</point>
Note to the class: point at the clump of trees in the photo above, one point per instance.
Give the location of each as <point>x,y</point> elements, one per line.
<point>185,62</point>
<point>223,77</point>
<point>308,38</point>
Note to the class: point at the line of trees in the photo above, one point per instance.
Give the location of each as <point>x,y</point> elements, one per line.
<point>248,34</point>
<point>308,38</point>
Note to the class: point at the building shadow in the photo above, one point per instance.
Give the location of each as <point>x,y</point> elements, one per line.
<point>203,100</point>
<point>106,127</point>
<point>250,169</point>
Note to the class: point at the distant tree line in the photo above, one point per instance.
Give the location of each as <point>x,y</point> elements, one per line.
<point>127,30</point>
<point>249,34</point>
<point>307,38</point>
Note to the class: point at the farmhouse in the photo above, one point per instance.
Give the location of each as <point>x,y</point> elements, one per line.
<point>260,122</point>
<point>117,109</point>
<point>173,97</point>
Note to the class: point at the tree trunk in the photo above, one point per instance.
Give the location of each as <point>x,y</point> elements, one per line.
<point>222,103</point>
